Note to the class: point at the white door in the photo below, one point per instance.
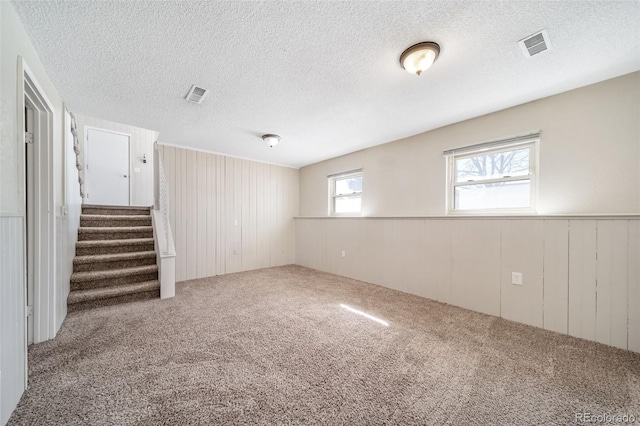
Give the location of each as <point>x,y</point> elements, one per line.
<point>107,168</point>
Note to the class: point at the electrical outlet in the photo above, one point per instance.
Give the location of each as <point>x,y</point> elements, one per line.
<point>516,278</point>
<point>344,253</point>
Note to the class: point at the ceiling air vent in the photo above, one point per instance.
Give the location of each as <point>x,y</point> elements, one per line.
<point>196,94</point>
<point>535,43</point>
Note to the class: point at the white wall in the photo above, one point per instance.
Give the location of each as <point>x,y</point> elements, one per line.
<point>589,157</point>
<point>15,43</point>
<point>141,143</point>
<point>228,215</point>
<point>67,225</point>
<point>580,274</point>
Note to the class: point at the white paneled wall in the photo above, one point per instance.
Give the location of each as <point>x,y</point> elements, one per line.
<point>12,315</point>
<point>580,275</point>
<point>142,141</point>
<point>227,214</point>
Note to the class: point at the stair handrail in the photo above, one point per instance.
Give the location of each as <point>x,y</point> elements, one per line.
<point>76,150</point>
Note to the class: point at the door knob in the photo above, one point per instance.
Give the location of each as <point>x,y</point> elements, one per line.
<point>125,175</point>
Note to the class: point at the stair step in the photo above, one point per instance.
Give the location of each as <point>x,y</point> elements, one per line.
<point>95,247</point>
<point>105,220</point>
<point>93,209</point>
<point>99,262</point>
<point>113,277</point>
<point>114,233</point>
<point>87,299</point>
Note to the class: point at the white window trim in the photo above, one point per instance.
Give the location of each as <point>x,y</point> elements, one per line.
<point>331,179</point>
<point>533,143</point>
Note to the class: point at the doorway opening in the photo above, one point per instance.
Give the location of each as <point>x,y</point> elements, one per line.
<point>107,167</point>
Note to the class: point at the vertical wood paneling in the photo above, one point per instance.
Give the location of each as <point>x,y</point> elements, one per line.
<point>192,208</point>
<point>262,215</point>
<point>390,274</point>
<point>522,251</point>
<point>227,214</point>
<point>582,278</point>
<point>274,249</point>
<point>411,249</point>
<point>633,286</point>
<point>211,218</point>
<point>221,224</point>
<point>475,258</point>
<point>556,275</point>
<point>611,288</point>
<point>231,218</point>
<point>12,315</point>
<point>372,247</point>
<point>468,263</point>
<point>237,214</point>
<point>248,257</point>
<point>184,217</point>
<point>437,259</point>
<point>201,258</point>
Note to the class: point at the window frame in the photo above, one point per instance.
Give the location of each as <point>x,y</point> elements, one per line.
<point>532,143</point>
<point>332,179</point>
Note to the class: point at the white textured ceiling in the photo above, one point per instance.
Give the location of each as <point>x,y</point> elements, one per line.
<point>323,75</point>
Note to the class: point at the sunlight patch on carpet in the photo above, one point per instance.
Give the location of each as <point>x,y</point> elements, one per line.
<point>364,314</point>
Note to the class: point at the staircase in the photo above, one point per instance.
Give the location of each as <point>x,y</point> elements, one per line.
<point>115,258</point>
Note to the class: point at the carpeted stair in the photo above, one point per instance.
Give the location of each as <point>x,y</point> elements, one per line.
<point>115,258</point>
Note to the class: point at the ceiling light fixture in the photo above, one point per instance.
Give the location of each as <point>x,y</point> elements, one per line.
<point>272,140</point>
<point>419,57</point>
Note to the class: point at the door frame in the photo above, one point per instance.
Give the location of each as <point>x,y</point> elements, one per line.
<point>31,94</point>
<point>84,159</point>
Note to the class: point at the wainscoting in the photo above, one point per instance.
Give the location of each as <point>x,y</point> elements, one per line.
<point>13,343</point>
<point>580,274</point>
<point>227,214</point>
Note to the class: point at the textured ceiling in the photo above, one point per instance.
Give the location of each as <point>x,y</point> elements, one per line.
<point>323,75</point>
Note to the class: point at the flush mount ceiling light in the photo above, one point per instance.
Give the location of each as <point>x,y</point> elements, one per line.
<point>272,140</point>
<point>419,57</point>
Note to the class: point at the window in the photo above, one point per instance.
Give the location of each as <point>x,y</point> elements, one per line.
<point>493,177</point>
<point>345,193</point>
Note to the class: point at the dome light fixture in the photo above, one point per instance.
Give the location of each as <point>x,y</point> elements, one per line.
<point>272,140</point>
<point>419,57</point>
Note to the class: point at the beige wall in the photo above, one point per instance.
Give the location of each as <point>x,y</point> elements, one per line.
<point>141,143</point>
<point>227,214</point>
<point>589,157</point>
<point>581,275</point>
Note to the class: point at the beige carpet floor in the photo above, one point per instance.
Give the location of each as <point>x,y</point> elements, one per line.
<point>274,346</point>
